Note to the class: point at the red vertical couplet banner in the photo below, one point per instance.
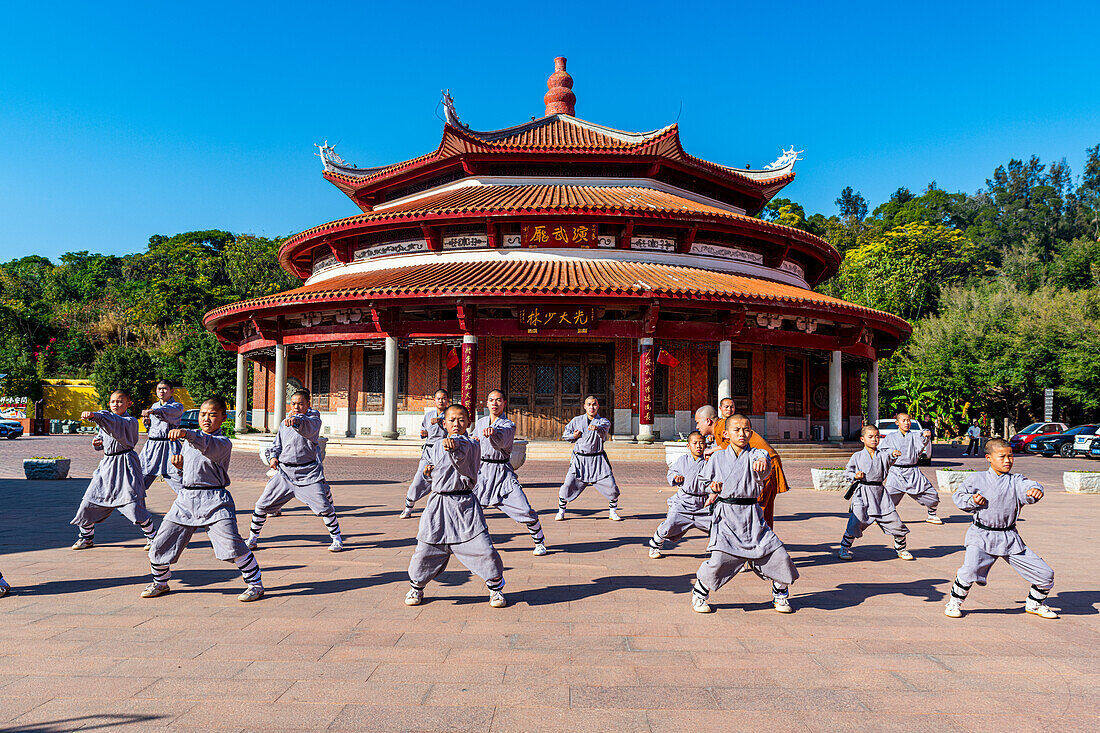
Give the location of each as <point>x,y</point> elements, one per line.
<point>469,376</point>
<point>645,385</point>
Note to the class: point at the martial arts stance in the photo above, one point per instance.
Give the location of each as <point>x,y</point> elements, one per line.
<point>203,502</point>
<point>432,431</point>
<point>995,498</point>
<point>117,482</point>
<point>294,455</point>
<point>686,508</point>
<point>155,455</point>
<point>589,464</point>
<point>497,483</point>
<point>452,522</point>
<point>867,470</point>
<point>738,534</point>
<point>905,478</point>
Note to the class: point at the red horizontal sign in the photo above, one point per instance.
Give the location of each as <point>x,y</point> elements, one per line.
<point>575,318</point>
<point>558,235</point>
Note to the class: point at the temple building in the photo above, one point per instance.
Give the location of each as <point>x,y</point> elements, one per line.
<point>556,259</point>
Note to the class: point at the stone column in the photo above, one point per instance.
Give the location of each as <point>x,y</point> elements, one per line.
<point>469,374</point>
<point>645,390</point>
<point>241,405</point>
<point>280,387</point>
<point>872,393</point>
<point>725,370</point>
<point>836,433</point>
<point>389,398</point>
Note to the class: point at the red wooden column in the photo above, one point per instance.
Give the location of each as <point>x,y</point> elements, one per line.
<point>645,390</point>
<point>469,374</point>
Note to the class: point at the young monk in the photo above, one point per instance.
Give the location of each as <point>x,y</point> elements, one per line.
<point>738,534</point>
<point>776,483</point>
<point>686,507</point>
<point>294,455</point>
<point>867,469</point>
<point>155,455</point>
<point>203,501</point>
<point>117,482</point>
<point>905,477</point>
<point>452,522</point>
<point>431,431</point>
<point>995,498</point>
<point>497,483</point>
<point>589,464</point>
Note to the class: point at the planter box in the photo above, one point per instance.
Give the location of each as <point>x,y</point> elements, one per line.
<point>830,479</point>
<point>1077,482</point>
<point>675,449</point>
<point>37,469</point>
<point>519,454</point>
<point>948,482</point>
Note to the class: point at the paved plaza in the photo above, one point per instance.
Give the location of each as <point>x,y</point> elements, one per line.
<point>597,636</point>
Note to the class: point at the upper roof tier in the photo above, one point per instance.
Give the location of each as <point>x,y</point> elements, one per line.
<point>544,146</point>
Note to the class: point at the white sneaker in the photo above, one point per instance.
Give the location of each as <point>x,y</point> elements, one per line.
<point>4,588</point>
<point>337,544</point>
<point>1039,609</point>
<point>905,555</point>
<point>953,608</point>
<point>613,515</point>
<point>496,599</point>
<point>155,589</point>
<point>252,542</point>
<point>560,516</point>
<point>83,544</point>
<point>414,597</point>
<point>251,593</point>
<point>540,550</point>
<point>405,513</point>
<point>845,553</point>
<point>655,554</point>
<point>933,519</point>
<point>699,604</point>
<point>782,604</point>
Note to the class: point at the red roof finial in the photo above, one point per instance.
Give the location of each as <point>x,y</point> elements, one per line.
<point>560,99</point>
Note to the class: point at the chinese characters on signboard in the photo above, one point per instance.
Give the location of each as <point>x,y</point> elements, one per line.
<point>558,235</point>
<point>645,385</point>
<point>568,318</point>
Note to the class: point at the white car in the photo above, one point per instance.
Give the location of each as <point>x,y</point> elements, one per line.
<point>885,427</point>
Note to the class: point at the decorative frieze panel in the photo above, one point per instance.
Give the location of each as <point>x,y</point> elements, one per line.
<point>653,244</point>
<point>466,241</point>
<point>392,248</point>
<point>726,253</point>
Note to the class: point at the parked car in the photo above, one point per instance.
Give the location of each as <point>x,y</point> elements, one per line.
<point>10,429</point>
<point>1066,444</point>
<point>1020,441</point>
<point>885,427</point>
<point>1094,448</point>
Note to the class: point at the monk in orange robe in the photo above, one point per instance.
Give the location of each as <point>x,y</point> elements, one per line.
<point>776,483</point>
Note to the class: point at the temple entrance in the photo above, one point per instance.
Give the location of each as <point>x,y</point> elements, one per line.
<point>547,383</point>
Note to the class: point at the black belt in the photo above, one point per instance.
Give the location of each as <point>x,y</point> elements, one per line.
<point>460,492</point>
<point>203,488</point>
<point>496,460</point>
<point>689,493</point>
<point>869,483</point>
<point>601,453</point>
<point>1009,528</point>
<point>120,453</point>
<point>297,465</point>
<point>905,465</point>
<point>158,438</point>
<point>740,500</point>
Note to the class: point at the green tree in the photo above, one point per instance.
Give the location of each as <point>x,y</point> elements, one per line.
<point>208,369</point>
<point>125,367</point>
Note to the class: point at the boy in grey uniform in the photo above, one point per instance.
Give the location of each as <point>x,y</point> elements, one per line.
<point>905,477</point>
<point>4,587</point>
<point>867,470</point>
<point>203,502</point>
<point>452,522</point>
<point>686,507</point>
<point>995,498</point>
<point>589,464</point>
<point>497,483</point>
<point>432,431</point>
<point>155,455</point>
<point>738,533</point>
<point>117,482</point>
<point>294,455</point>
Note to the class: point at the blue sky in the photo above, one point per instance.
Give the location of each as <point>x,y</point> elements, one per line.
<point>122,121</point>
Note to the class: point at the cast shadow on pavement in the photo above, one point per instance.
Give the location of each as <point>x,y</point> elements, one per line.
<point>339,585</point>
<point>86,722</point>
<point>847,595</point>
<point>599,586</point>
<point>876,549</point>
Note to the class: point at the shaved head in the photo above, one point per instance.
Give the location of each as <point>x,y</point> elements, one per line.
<point>706,412</point>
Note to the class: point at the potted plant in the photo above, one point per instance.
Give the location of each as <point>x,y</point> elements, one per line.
<point>830,479</point>
<point>1081,482</point>
<point>44,468</point>
<point>949,480</point>
<point>674,449</point>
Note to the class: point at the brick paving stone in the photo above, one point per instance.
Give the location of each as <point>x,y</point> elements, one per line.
<point>415,718</point>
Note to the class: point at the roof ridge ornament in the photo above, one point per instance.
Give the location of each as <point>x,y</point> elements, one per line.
<point>560,100</point>
<point>787,159</point>
<point>450,112</point>
<point>329,158</point>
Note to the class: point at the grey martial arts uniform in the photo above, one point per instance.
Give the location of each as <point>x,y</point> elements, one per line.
<point>589,464</point>
<point>993,534</point>
<point>452,522</point>
<point>202,502</point>
<point>117,483</point>
<point>870,502</point>
<point>685,507</point>
<point>300,473</point>
<point>420,485</point>
<point>155,455</point>
<point>497,483</point>
<point>905,477</point>
<point>738,532</point>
